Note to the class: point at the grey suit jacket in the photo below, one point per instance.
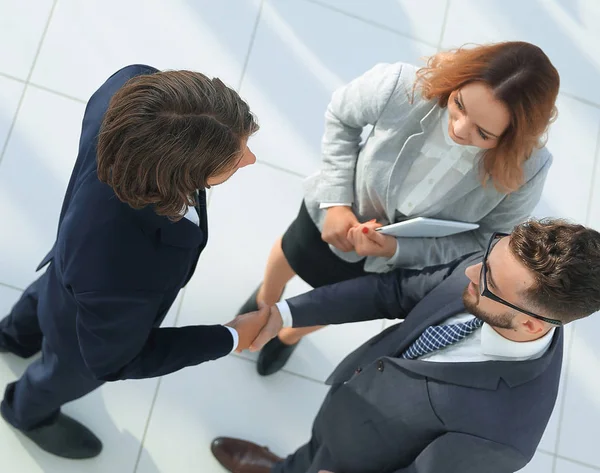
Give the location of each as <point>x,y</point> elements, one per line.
<point>370,177</point>
<point>390,415</point>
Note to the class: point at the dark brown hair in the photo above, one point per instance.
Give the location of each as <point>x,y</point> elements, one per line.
<point>565,261</point>
<point>165,134</point>
<point>522,77</point>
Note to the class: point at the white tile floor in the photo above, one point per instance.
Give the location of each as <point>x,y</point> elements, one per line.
<point>285,57</point>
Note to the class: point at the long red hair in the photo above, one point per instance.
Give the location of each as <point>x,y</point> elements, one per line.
<point>522,77</point>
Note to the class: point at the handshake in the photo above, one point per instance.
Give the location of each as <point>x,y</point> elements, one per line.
<point>255,329</point>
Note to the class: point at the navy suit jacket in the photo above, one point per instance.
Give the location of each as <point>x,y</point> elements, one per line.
<point>114,272</point>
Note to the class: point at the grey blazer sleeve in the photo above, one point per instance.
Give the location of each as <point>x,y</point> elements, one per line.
<point>389,295</point>
<point>462,453</point>
<point>352,107</point>
<point>512,210</point>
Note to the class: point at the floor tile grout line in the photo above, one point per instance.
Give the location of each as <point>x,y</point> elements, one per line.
<point>282,169</point>
<point>302,376</point>
<point>12,125</point>
<point>157,389</point>
<point>147,426</point>
<point>10,286</point>
<point>579,99</point>
<point>39,48</point>
<point>588,215</point>
<point>291,373</point>
<point>577,462</point>
<point>563,392</point>
<point>56,92</point>
<point>19,105</point>
<point>251,45</point>
<point>444,23</point>
<point>554,461</point>
<point>16,79</point>
<point>371,22</point>
<point>546,452</point>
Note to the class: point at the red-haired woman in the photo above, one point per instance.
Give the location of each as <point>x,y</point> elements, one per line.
<point>460,139</point>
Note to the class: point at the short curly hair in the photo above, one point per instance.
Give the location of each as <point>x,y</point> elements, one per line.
<point>565,261</point>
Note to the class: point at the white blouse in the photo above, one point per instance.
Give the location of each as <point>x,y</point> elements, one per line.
<point>440,166</point>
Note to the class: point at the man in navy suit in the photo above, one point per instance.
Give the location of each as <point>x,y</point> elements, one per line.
<point>131,230</point>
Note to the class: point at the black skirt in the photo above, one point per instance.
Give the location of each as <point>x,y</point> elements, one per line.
<point>311,258</point>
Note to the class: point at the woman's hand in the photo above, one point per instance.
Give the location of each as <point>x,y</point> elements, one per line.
<point>338,221</point>
<point>368,242</point>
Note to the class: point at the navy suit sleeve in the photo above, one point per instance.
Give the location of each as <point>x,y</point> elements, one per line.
<point>389,295</point>
<point>117,339</point>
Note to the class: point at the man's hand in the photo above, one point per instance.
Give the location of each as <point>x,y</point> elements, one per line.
<point>368,242</point>
<point>269,331</point>
<point>248,326</point>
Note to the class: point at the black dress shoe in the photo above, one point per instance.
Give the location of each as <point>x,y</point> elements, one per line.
<point>66,438</point>
<point>251,305</point>
<point>274,356</point>
<point>3,349</point>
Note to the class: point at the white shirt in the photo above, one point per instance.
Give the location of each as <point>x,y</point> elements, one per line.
<point>484,344</point>
<point>440,166</point>
<point>193,217</point>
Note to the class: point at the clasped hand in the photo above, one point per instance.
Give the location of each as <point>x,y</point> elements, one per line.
<point>342,230</point>
<point>368,242</point>
<point>255,329</point>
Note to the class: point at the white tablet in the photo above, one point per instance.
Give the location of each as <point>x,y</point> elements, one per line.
<point>423,227</point>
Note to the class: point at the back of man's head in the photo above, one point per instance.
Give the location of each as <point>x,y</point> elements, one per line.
<point>165,134</point>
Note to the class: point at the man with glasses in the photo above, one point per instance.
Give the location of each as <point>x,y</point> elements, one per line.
<point>466,383</point>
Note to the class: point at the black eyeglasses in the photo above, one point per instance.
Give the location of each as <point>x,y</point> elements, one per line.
<point>485,292</point>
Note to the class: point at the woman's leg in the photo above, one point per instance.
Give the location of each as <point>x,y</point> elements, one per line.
<point>277,274</point>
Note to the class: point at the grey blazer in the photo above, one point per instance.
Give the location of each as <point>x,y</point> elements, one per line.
<point>370,177</point>
<point>386,414</point>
